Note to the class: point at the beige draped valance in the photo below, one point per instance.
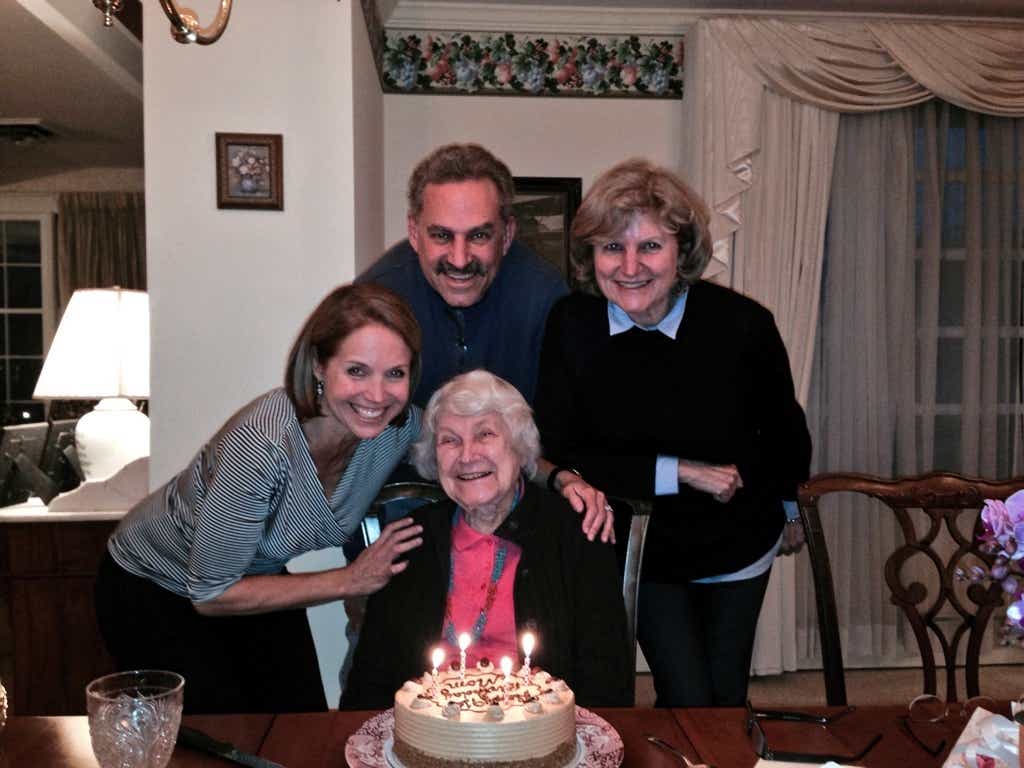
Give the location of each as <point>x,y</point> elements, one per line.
<point>871,66</point>
<point>838,66</point>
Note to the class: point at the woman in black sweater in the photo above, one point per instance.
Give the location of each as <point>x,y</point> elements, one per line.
<point>655,384</point>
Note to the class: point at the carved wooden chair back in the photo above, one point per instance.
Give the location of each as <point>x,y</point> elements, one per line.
<point>411,491</point>
<point>631,519</point>
<point>943,499</point>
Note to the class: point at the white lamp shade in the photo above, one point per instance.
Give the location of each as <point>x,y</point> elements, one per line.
<point>101,348</point>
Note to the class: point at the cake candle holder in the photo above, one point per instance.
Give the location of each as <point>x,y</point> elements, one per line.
<point>464,641</point>
<point>528,643</point>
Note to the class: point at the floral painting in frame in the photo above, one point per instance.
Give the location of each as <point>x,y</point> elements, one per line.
<point>250,171</point>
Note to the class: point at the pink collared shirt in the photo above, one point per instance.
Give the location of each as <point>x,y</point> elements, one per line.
<point>473,554</point>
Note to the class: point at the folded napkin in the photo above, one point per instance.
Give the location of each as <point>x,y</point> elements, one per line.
<point>987,741</point>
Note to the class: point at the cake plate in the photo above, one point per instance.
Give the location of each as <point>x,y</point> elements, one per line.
<point>601,745</point>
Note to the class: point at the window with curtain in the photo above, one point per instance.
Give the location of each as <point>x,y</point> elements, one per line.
<point>918,359</point>
<point>968,251</point>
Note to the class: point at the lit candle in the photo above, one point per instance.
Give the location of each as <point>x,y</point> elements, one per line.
<point>506,669</point>
<point>436,659</point>
<point>464,641</point>
<point>528,642</point>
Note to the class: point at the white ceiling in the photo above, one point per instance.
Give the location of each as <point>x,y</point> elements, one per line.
<point>85,83</point>
<point>59,64</point>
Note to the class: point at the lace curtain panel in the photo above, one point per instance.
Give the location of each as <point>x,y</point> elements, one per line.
<point>101,241</point>
<point>918,362</point>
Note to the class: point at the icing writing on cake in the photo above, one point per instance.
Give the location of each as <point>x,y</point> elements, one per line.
<point>478,691</point>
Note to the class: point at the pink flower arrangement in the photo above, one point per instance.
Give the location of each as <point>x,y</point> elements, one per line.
<point>1002,535</point>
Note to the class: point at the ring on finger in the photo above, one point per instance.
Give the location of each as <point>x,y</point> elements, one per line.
<point>608,508</point>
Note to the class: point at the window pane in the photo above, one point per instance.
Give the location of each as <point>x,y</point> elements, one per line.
<point>26,334</point>
<point>24,287</point>
<point>951,293</point>
<point>953,215</point>
<point>1009,386</point>
<point>947,443</point>
<point>23,241</point>
<point>949,374</point>
<point>24,374</point>
<point>23,413</point>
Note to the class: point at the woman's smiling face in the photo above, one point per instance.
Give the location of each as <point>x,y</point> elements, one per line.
<point>366,381</point>
<point>637,269</point>
<point>477,466</point>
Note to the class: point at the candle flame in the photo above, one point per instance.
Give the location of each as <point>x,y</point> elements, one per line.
<point>464,641</point>
<point>528,643</point>
<point>437,657</point>
<point>506,665</point>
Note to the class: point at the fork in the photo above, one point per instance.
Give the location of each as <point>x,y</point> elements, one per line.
<point>672,750</point>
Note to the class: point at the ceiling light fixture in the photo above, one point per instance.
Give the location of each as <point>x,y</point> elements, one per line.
<point>184,22</point>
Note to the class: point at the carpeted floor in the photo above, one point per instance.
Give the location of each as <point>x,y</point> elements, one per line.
<point>863,686</point>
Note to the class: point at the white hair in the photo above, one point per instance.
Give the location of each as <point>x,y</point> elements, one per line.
<point>474,394</point>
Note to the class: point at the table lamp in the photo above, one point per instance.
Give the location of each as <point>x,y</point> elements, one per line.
<point>101,351</point>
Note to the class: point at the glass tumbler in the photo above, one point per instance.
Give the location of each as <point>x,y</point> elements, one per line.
<point>134,717</point>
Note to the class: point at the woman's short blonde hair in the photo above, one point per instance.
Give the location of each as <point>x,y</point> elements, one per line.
<point>634,187</point>
<point>474,394</point>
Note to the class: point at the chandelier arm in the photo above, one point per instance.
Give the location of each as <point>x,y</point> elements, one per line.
<point>185,33</point>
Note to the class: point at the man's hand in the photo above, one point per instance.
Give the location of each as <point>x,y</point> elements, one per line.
<point>598,516</point>
<point>793,537</point>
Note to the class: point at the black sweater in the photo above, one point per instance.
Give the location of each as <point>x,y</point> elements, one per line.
<point>566,590</point>
<point>721,392</point>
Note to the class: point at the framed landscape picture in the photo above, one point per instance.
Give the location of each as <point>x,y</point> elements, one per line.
<point>250,171</point>
<point>544,207</point>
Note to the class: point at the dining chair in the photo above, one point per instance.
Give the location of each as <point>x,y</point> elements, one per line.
<point>638,514</point>
<point>407,493</point>
<point>944,499</point>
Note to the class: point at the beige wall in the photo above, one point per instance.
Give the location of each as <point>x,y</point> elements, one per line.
<point>230,288</point>
<point>534,136</point>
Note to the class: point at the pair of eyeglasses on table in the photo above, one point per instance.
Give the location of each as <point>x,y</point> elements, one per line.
<point>760,742</point>
<point>928,711</point>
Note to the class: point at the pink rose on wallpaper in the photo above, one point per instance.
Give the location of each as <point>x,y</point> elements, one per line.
<point>438,68</point>
<point>565,74</point>
<point>553,53</point>
<point>503,72</point>
<point>426,46</point>
<point>628,74</point>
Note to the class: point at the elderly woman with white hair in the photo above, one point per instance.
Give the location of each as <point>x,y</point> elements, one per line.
<point>500,556</point>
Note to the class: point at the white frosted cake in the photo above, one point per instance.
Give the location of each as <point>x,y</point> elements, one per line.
<point>476,721</point>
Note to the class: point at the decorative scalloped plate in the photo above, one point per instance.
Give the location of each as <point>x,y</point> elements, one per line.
<point>598,744</point>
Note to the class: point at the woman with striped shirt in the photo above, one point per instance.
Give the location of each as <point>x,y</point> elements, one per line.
<point>194,577</point>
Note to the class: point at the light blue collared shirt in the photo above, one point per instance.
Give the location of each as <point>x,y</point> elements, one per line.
<point>666,468</point>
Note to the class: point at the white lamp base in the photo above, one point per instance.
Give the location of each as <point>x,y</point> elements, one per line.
<point>119,492</point>
<point>114,433</point>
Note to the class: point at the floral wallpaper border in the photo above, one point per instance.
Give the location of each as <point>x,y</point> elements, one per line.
<point>528,65</point>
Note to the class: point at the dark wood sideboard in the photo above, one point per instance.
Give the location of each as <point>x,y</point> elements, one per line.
<point>47,570</point>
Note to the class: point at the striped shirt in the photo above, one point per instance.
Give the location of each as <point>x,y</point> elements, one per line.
<point>250,501</point>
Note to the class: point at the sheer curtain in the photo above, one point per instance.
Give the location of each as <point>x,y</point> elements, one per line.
<point>101,241</point>
<point>918,354</point>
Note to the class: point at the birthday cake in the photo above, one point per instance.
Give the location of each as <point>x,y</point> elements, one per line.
<point>480,720</point>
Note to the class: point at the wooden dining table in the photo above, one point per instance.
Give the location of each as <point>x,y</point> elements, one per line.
<point>317,740</point>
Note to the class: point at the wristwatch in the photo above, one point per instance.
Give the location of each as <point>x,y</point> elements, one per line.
<point>554,473</point>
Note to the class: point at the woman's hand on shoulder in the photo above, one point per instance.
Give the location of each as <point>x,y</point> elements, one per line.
<point>598,516</point>
<point>720,480</point>
<point>375,566</point>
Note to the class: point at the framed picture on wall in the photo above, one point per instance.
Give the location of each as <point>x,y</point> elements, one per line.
<point>544,207</point>
<point>250,171</point>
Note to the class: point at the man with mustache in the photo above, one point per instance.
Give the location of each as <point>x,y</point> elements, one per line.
<point>481,297</point>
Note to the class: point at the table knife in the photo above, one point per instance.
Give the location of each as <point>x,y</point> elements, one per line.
<point>196,739</point>
<point>673,751</point>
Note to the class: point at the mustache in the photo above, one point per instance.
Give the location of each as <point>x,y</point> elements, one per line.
<point>472,269</point>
